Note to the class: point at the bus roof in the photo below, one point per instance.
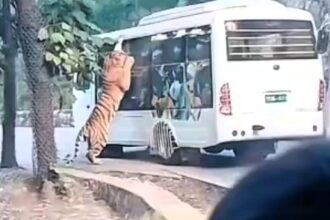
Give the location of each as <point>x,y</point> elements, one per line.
<point>202,8</point>
<point>204,11</point>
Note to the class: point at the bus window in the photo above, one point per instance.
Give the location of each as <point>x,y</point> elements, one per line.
<point>270,39</point>
<point>199,79</point>
<point>168,69</point>
<point>139,95</point>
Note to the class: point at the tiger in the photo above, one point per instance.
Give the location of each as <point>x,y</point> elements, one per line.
<point>116,82</point>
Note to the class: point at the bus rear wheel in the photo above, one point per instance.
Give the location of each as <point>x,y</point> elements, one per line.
<point>184,156</point>
<point>166,147</point>
<point>174,160</point>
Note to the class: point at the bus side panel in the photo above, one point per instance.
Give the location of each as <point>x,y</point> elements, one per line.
<point>131,128</point>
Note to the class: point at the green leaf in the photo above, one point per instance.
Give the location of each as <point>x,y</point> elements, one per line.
<point>75,55</point>
<point>82,58</point>
<point>97,41</point>
<point>68,20</point>
<point>65,26</point>
<point>43,34</point>
<point>82,34</point>
<point>57,38</point>
<point>69,37</point>
<point>49,56</point>
<point>88,3</point>
<point>94,27</point>
<point>56,60</point>
<point>67,67</point>
<point>64,56</point>
<point>57,48</point>
<point>80,17</point>
<point>69,51</point>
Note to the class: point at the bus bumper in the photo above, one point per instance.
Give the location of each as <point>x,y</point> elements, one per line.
<point>301,125</point>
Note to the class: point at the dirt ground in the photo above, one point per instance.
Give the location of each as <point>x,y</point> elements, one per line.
<point>200,195</point>
<point>20,201</point>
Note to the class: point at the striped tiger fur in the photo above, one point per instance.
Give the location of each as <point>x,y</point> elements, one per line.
<point>116,81</point>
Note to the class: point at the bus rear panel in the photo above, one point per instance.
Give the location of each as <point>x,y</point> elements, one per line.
<point>274,86</point>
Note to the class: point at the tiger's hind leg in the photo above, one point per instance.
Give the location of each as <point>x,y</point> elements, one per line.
<point>92,158</point>
<point>92,153</point>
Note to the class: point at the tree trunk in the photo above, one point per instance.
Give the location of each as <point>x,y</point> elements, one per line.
<point>44,149</point>
<point>8,156</point>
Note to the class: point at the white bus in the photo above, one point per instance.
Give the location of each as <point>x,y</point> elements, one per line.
<point>237,75</point>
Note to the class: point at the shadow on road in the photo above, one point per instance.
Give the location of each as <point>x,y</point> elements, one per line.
<point>207,161</point>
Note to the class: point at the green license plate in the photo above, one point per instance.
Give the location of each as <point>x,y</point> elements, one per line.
<point>276,98</point>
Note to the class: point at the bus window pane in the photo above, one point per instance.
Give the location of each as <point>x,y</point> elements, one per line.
<point>199,83</point>
<point>168,50</point>
<point>198,47</point>
<point>140,49</point>
<point>199,80</point>
<point>138,97</point>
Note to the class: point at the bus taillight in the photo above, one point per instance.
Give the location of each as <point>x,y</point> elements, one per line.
<point>321,96</point>
<point>225,100</point>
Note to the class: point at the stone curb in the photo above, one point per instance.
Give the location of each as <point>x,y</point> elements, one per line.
<point>134,199</point>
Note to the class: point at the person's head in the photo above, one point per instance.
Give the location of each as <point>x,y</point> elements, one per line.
<point>294,186</point>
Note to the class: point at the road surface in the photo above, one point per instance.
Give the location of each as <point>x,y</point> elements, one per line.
<point>218,169</point>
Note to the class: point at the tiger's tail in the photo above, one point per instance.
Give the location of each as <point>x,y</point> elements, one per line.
<point>81,137</point>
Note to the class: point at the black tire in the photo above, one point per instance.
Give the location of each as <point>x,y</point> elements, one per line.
<point>112,151</point>
<point>174,160</point>
<point>248,157</point>
<point>253,152</point>
<point>191,156</point>
<point>184,156</point>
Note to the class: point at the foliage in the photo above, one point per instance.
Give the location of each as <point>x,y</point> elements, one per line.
<point>118,14</point>
<point>70,42</point>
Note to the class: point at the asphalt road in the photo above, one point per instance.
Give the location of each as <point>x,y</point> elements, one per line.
<point>220,169</point>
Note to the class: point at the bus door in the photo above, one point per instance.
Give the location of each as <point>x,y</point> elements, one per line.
<point>133,122</point>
